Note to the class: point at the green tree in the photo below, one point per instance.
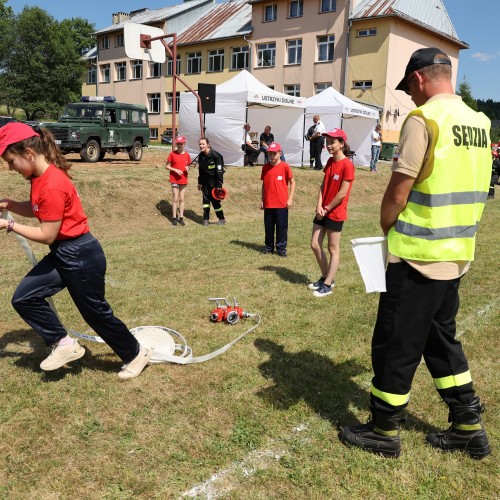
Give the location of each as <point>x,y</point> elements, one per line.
<point>465,92</point>
<point>82,33</point>
<point>43,69</point>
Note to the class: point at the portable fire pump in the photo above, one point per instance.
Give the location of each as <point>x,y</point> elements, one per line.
<point>226,312</point>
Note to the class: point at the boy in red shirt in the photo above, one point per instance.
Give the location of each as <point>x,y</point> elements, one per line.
<point>278,188</point>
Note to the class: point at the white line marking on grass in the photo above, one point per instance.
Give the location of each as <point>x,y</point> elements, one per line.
<point>213,487</point>
<point>484,311</point>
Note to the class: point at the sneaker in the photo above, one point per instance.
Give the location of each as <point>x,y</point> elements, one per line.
<point>364,436</point>
<point>206,222</point>
<point>174,222</point>
<point>474,443</point>
<point>266,251</point>
<point>323,290</point>
<point>62,354</point>
<point>181,222</point>
<point>316,284</point>
<point>282,254</point>
<point>135,367</point>
<point>221,222</point>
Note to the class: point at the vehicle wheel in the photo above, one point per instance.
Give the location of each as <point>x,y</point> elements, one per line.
<point>135,152</point>
<point>91,152</point>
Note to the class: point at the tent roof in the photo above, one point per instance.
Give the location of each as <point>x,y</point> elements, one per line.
<point>257,92</point>
<point>332,101</point>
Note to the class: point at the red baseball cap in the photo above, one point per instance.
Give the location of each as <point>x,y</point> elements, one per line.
<point>14,132</point>
<point>273,147</point>
<point>336,133</point>
<point>180,138</point>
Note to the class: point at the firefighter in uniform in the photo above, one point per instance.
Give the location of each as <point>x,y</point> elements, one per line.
<point>430,213</point>
<point>210,176</point>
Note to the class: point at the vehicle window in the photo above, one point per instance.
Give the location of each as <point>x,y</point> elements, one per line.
<point>123,116</point>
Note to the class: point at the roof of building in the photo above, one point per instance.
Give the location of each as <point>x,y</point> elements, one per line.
<point>224,20</point>
<point>427,14</point>
<point>147,16</point>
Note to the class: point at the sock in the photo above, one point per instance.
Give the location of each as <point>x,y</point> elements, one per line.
<point>66,341</point>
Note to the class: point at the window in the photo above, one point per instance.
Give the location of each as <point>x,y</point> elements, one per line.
<point>215,60</point>
<point>293,90</point>
<point>154,103</point>
<point>270,13</point>
<point>121,71</point>
<point>105,73</point>
<point>328,5</point>
<point>319,87</point>
<point>169,96</point>
<point>239,58</point>
<point>294,51</point>
<point>296,8</point>
<point>139,117</point>
<point>123,116</point>
<point>154,70</point>
<point>193,63</point>
<point>92,75</point>
<point>120,40</point>
<point>153,133</point>
<point>170,66</point>
<point>367,32</point>
<point>325,47</point>
<point>266,53</point>
<point>136,70</point>
<point>104,43</point>
<point>362,84</point>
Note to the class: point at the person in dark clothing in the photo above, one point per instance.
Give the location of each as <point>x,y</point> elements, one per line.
<point>251,152</point>
<point>210,176</point>
<point>495,174</point>
<point>317,143</point>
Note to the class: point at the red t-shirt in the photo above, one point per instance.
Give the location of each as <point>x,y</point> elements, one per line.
<point>275,181</point>
<point>335,173</point>
<point>179,161</point>
<point>54,197</point>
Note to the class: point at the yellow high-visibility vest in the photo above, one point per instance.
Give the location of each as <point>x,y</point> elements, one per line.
<point>440,220</point>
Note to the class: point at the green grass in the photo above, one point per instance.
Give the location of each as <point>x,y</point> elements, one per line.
<point>261,420</point>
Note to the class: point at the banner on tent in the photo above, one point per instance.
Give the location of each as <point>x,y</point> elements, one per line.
<point>279,100</point>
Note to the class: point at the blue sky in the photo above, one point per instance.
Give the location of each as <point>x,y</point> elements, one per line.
<point>475,22</point>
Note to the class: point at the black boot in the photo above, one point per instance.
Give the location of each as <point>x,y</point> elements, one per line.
<point>466,432</point>
<point>380,435</point>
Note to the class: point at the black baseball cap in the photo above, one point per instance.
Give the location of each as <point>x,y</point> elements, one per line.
<point>422,58</point>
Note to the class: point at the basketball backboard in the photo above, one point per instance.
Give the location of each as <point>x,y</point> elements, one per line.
<point>134,35</point>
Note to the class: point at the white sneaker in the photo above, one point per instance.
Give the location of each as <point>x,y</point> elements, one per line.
<point>62,354</point>
<point>135,367</point>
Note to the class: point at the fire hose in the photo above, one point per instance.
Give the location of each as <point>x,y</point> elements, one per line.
<point>168,345</point>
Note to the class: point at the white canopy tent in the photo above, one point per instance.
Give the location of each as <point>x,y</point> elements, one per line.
<point>338,111</point>
<point>237,101</point>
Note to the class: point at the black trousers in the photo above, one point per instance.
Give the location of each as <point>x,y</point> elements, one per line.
<point>209,199</point>
<point>316,150</point>
<point>416,317</point>
<point>276,218</point>
<point>80,266</point>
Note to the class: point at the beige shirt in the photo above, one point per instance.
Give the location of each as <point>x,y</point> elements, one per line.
<point>414,144</point>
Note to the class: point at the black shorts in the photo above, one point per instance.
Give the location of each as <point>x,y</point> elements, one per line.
<point>331,225</point>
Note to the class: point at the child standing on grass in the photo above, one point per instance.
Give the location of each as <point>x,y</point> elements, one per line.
<point>331,210</point>
<point>76,260</point>
<point>278,188</point>
<point>178,164</point>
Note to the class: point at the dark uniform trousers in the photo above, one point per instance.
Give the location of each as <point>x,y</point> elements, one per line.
<point>416,317</point>
<point>79,265</point>
<point>209,199</point>
<point>316,150</point>
<point>276,218</point>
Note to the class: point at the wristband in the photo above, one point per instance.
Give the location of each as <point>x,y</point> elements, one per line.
<point>10,225</point>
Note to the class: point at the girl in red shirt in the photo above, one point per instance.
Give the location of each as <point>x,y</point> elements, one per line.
<point>331,210</point>
<point>76,260</point>
<point>178,164</point>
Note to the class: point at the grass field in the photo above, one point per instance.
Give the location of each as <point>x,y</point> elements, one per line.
<point>261,420</point>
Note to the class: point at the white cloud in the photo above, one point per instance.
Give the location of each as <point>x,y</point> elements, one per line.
<point>483,57</point>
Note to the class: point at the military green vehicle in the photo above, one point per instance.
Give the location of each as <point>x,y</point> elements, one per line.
<point>100,125</point>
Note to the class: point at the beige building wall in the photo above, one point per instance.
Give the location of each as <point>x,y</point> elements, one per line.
<point>307,28</point>
<point>382,59</point>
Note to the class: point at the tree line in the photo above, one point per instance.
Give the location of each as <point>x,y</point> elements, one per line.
<point>41,66</point>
